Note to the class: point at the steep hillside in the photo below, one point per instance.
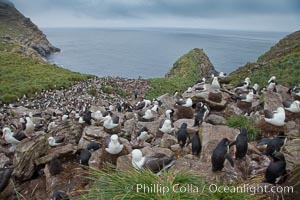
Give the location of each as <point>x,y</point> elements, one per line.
<point>188,69</point>
<point>22,47</point>
<point>19,34</point>
<point>282,60</point>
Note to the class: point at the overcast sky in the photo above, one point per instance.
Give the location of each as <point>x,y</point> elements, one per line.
<point>278,15</point>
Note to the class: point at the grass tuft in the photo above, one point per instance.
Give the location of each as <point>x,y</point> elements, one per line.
<point>130,185</point>
<point>242,121</point>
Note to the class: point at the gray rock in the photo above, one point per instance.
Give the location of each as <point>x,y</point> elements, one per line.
<point>272,101</point>
<point>215,119</point>
<point>27,152</point>
<point>3,160</point>
<point>167,141</point>
<point>95,132</point>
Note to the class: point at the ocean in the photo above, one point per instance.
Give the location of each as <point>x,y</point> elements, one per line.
<point>151,52</point>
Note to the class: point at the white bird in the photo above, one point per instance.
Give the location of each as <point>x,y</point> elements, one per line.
<point>272,79</point>
<point>155,107</point>
<point>51,126</point>
<point>113,145</point>
<point>156,163</point>
<point>8,136</point>
<point>148,114</point>
<point>169,114</point>
<point>247,97</point>
<point>110,122</point>
<point>185,102</point>
<point>55,141</point>
<point>275,118</point>
<point>244,85</point>
<point>292,106</point>
<point>166,126</point>
<point>29,126</point>
<point>64,117</point>
<point>221,74</point>
<point>215,83</point>
<point>189,90</point>
<point>97,115</point>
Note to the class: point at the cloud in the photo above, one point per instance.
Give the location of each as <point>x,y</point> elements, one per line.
<point>162,12</point>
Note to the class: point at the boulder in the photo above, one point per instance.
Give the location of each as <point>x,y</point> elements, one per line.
<point>124,163</point>
<point>69,180</point>
<point>215,119</point>
<point>167,101</point>
<point>66,151</point>
<point>190,122</point>
<point>129,127</point>
<point>167,141</point>
<point>95,132</point>
<point>272,101</point>
<point>27,152</point>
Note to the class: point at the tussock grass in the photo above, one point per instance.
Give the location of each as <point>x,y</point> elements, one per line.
<point>242,121</point>
<point>21,75</point>
<point>124,185</point>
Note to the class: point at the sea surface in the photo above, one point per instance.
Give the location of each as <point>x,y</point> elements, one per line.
<point>151,52</point>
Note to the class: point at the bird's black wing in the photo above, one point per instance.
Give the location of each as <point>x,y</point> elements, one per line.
<point>268,114</point>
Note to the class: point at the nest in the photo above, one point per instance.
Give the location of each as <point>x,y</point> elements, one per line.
<point>269,130</point>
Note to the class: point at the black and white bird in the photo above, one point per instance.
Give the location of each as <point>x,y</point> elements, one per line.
<point>146,114</point>
<point>246,97</point>
<point>243,85</point>
<point>166,126</point>
<point>155,106</point>
<point>241,143</point>
<point>276,171</point>
<point>292,106</point>
<point>272,79</point>
<point>9,138</point>
<point>196,144</point>
<point>185,102</point>
<point>144,104</point>
<point>84,157</point>
<point>273,144</point>
<point>220,153</point>
<point>156,163</point>
<point>201,115</point>
<point>56,140</point>
<point>110,121</point>
<point>182,135</point>
<point>29,126</point>
<point>113,144</point>
<point>143,135</point>
<point>169,114</point>
<point>275,118</point>
<point>272,86</point>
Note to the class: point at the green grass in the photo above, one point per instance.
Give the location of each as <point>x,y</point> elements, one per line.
<point>184,73</point>
<point>242,121</point>
<point>21,75</point>
<point>127,185</point>
<point>286,69</point>
<point>111,90</point>
<point>160,86</point>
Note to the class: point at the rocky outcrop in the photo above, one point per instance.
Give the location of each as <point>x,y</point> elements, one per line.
<point>19,32</point>
<point>193,64</point>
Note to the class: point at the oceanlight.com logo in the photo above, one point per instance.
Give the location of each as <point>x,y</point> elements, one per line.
<point>211,188</point>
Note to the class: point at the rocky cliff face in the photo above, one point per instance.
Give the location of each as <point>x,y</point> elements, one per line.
<point>193,64</point>
<point>19,34</point>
